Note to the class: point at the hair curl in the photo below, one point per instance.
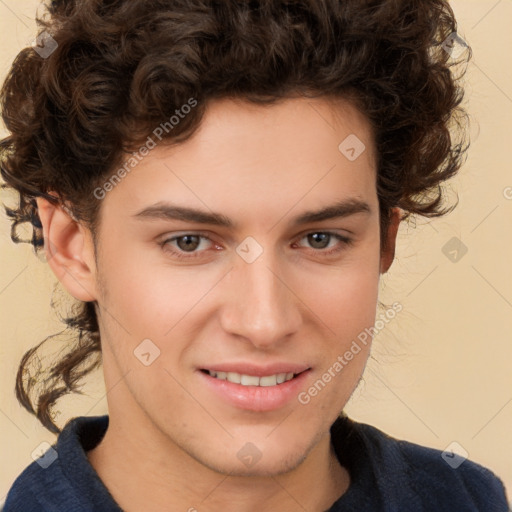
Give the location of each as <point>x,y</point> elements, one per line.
<point>122,67</point>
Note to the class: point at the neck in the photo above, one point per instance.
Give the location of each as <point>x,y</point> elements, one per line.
<point>150,473</point>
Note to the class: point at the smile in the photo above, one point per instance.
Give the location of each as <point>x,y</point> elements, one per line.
<point>252,380</point>
<point>265,392</point>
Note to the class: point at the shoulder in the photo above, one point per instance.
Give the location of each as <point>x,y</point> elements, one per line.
<point>40,485</point>
<point>427,478</point>
<point>53,481</point>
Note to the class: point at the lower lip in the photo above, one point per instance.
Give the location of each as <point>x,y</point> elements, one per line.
<point>256,398</point>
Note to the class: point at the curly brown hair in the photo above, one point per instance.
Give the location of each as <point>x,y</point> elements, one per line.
<point>122,67</point>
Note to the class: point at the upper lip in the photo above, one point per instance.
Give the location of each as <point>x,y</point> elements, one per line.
<point>257,370</point>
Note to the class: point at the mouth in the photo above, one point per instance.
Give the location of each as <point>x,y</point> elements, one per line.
<point>253,380</point>
<point>267,391</point>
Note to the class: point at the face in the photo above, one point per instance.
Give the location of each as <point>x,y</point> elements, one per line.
<point>258,289</point>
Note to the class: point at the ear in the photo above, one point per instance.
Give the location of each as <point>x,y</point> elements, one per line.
<point>388,252</point>
<point>69,250</point>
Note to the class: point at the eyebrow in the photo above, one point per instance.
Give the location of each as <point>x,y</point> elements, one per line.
<point>168,211</point>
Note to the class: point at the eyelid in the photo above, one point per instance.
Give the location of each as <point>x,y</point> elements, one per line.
<point>203,234</point>
<point>172,237</point>
<point>345,233</point>
<point>343,240</point>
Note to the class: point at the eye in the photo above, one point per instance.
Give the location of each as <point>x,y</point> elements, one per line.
<point>189,245</point>
<point>320,240</point>
<point>186,245</point>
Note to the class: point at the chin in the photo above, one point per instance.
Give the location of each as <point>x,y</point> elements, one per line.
<point>261,457</point>
<point>271,467</point>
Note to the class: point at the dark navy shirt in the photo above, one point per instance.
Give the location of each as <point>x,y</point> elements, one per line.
<point>387,475</point>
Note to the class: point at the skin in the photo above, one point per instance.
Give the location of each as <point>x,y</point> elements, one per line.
<point>171,442</point>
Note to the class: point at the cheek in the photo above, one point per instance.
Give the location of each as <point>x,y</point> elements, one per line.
<point>344,298</point>
<point>346,306</point>
<point>150,299</point>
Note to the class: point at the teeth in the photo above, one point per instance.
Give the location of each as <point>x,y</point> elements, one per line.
<point>249,380</point>
<point>270,380</point>
<point>234,377</point>
<point>252,380</point>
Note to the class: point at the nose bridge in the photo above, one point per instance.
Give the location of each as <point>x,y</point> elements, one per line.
<point>263,309</point>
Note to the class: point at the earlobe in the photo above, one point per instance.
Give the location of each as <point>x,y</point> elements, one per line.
<point>68,250</point>
<point>388,253</point>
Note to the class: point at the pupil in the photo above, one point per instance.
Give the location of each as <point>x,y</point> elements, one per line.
<point>316,236</point>
<point>190,242</point>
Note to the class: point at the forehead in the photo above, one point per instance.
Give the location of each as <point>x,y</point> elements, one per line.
<point>245,157</point>
<point>290,129</point>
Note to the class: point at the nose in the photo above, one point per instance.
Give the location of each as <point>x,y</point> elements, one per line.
<point>262,306</point>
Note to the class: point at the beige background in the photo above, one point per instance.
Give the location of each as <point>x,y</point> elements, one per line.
<point>441,371</point>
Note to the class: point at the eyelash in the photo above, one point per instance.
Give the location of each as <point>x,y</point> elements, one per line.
<point>345,242</point>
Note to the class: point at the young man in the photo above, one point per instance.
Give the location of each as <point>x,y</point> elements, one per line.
<point>220,186</point>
